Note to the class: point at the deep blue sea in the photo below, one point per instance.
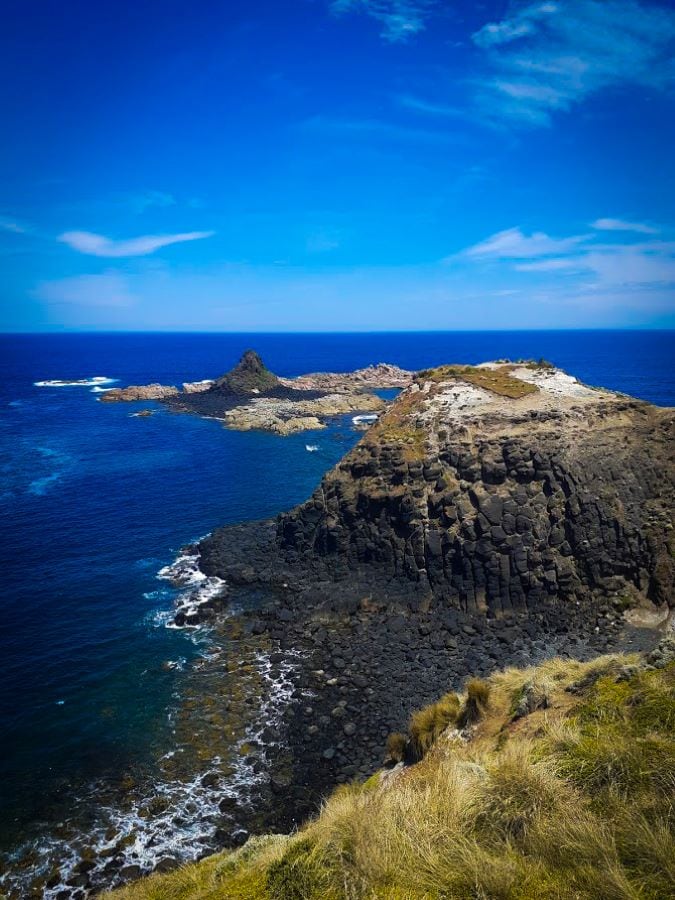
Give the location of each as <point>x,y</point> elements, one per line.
<point>95,501</point>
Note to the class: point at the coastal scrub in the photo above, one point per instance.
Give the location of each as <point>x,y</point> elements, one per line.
<point>571,800</point>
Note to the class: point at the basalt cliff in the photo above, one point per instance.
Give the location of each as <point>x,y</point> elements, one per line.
<point>496,489</point>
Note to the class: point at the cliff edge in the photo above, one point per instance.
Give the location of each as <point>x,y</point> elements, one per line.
<point>499,488</point>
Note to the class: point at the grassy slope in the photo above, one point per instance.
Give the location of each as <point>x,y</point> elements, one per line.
<point>573,799</point>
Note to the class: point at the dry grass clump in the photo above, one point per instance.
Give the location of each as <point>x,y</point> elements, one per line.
<point>397,745</point>
<point>238,875</point>
<point>397,426</point>
<point>427,725</point>
<point>577,804</point>
<point>498,381</point>
<point>476,703</point>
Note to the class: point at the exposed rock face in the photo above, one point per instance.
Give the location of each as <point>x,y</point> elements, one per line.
<point>495,515</point>
<point>383,375</point>
<point>197,387</point>
<point>139,392</point>
<point>495,503</point>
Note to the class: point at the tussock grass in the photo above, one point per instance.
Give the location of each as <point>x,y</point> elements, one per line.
<point>427,725</point>
<point>497,381</point>
<point>476,702</point>
<point>570,802</point>
<point>397,744</point>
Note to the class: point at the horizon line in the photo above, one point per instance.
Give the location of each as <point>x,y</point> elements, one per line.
<point>74,331</point>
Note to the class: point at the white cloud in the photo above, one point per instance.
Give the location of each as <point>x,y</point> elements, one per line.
<point>519,25</point>
<point>99,245</point>
<point>400,19</point>
<point>547,57</point>
<point>621,225</point>
<point>419,104</point>
<point>625,265</point>
<point>110,289</point>
<point>641,264</point>
<point>514,244</point>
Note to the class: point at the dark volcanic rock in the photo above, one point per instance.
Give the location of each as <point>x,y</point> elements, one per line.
<point>584,510</point>
<point>465,532</point>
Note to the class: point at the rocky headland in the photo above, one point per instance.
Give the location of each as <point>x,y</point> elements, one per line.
<point>495,515</point>
<point>251,397</point>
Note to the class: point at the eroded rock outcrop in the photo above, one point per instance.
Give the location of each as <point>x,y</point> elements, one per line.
<point>136,392</point>
<point>382,375</point>
<point>499,488</point>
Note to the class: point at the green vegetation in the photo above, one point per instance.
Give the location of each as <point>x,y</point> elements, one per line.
<point>569,802</point>
<point>498,381</point>
<point>538,363</point>
<point>249,375</point>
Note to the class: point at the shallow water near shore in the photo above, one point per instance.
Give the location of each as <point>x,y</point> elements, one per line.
<point>96,501</point>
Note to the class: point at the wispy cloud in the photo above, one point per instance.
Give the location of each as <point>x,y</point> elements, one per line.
<point>400,19</point>
<point>548,56</point>
<point>513,243</point>
<point>421,105</point>
<point>109,289</point>
<point>621,225</point>
<point>644,263</point>
<point>99,245</point>
<point>549,265</point>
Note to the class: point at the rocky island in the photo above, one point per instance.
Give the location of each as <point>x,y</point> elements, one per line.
<point>251,397</point>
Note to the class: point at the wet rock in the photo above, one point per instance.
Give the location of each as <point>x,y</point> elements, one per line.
<point>130,873</point>
<point>166,864</point>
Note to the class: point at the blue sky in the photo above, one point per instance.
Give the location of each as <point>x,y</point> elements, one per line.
<point>337,164</point>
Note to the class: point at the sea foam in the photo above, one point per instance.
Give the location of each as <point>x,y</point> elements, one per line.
<point>76,382</point>
<point>197,588</point>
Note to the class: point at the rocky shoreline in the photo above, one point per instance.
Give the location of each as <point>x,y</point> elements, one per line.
<point>363,654</point>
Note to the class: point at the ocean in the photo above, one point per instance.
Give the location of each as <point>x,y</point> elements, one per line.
<point>96,501</point>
